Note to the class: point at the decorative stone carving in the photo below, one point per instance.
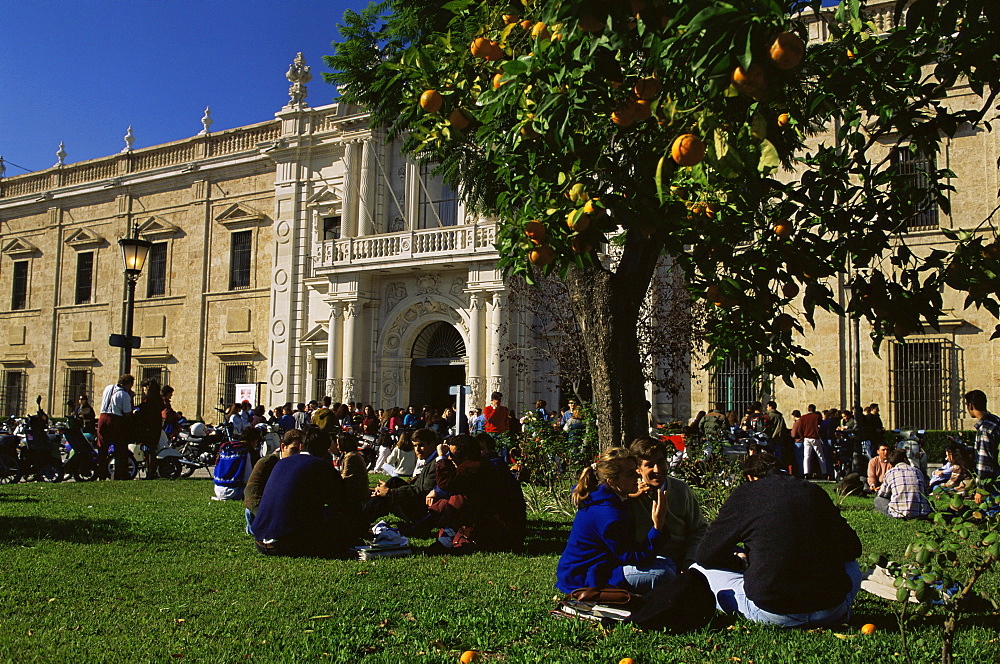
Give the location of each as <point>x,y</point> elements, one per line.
<point>395,293</point>
<point>478,396</point>
<point>496,384</point>
<point>350,390</point>
<point>298,75</point>
<point>61,155</point>
<point>390,383</point>
<point>129,140</point>
<point>396,225</point>
<point>206,122</point>
<point>458,286</point>
<point>428,283</point>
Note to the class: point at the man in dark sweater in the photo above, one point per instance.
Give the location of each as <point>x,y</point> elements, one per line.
<point>799,568</point>
<point>407,500</point>
<point>304,510</point>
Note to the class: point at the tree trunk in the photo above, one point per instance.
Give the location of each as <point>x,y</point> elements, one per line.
<point>606,306</point>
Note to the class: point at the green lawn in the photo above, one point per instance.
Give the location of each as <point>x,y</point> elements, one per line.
<point>155,572</point>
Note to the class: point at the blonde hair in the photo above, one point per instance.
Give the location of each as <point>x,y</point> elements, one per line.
<point>405,442</point>
<point>609,465</point>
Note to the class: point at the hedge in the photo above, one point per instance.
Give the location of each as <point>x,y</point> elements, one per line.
<point>934,442</point>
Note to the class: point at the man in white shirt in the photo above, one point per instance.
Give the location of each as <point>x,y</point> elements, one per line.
<point>112,426</point>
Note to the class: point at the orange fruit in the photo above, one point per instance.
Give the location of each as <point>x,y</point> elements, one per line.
<point>497,82</point>
<point>992,251</point>
<point>535,230</point>
<point>783,230</point>
<point>590,206</point>
<point>784,323</point>
<point>527,24</point>
<point>510,18</point>
<point>468,656</point>
<point>529,132</point>
<point>714,294</point>
<point>784,120</point>
<point>540,31</point>
<point>624,116</point>
<point>541,255</point>
<point>578,221</point>
<point>687,150</point>
<point>750,81</point>
<point>481,47</point>
<point>458,120</point>
<point>712,209</point>
<point>790,290</point>
<point>787,50</point>
<point>643,110</point>
<point>590,23</point>
<point>495,52</point>
<point>431,101</point>
<point>627,660</point>
<point>648,89</point>
<point>582,245</point>
<point>868,629</point>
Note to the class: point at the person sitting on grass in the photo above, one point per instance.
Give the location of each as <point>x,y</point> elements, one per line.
<point>903,494</point>
<point>354,470</point>
<point>233,465</point>
<point>407,500</point>
<point>798,567</point>
<point>878,467</point>
<point>956,471</point>
<point>684,523</point>
<point>402,458</point>
<point>602,548</point>
<point>290,444</point>
<point>304,510</point>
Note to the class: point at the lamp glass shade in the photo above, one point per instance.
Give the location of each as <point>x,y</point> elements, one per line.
<point>134,253</point>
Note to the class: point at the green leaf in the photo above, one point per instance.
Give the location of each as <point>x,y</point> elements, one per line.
<point>769,159</point>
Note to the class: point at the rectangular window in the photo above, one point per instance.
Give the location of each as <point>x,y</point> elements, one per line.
<point>239,260</point>
<point>79,383</point>
<point>156,281</point>
<point>12,399</point>
<point>924,393</point>
<point>84,276</point>
<point>19,291</point>
<point>735,385</point>
<point>319,389</point>
<point>437,204</point>
<point>153,372</point>
<point>331,228</point>
<point>230,375</point>
<point>917,171</point>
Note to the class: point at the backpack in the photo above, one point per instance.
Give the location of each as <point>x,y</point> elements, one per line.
<point>233,466</point>
<point>683,604</point>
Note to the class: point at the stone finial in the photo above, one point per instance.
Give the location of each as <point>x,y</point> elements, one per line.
<point>206,122</point>
<point>3,168</point>
<point>61,155</point>
<point>129,140</point>
<point>298,74</point>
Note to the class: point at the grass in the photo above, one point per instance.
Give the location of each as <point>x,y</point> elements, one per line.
<point>157,572</point>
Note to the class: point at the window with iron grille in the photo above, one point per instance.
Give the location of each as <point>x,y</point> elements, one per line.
<point>157,372</point>
<point>319,388</point>
<point>239,260</point>
<point>923,384</point>
<point>735,385</point>
<point>437,204</point>
<point>84,276</point>
<point>917,170</point>
<point>156,279</point>
<point>12,398</point>
<point>19,291</point>
<point>331,228</point>
<point>79,383</point>
<point>232,374</point>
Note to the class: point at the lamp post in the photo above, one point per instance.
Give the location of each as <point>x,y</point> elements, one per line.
<point>134,253</point>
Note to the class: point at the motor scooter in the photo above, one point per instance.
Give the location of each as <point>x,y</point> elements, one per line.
<point>169,461</point>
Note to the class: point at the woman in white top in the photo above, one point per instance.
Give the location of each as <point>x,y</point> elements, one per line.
<point>236,419</point>
<point>403,458</point>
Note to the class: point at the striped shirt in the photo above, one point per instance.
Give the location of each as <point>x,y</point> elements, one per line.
<point>906,489</point>
<point>987,437</point>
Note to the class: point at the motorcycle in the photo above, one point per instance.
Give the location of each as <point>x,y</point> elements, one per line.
<point>38,453</point>
<point>80,456</point>
<point>169,461</point>
<point>198,446</point>
<point>10,463</point>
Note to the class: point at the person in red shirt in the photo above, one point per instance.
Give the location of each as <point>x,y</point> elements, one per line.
<point>806,429</point>
<point>497,416</point>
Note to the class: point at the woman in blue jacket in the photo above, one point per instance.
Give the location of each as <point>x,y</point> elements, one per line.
<point>602,550</point>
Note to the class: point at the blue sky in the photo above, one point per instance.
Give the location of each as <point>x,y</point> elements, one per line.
<point>82,71</point>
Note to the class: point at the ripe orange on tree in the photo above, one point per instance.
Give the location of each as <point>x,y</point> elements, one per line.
<point>458,120</point>
<point>542,255</point>
<point>787,50</point>
<point>750,81</point>
<point>481,47</point>
<point>527,24</point>
<point>535,230</point>
<point>582,245</point>
<point>578,221</point>
<point>784,323</point>
<point>497,82</point>
<point>790,290</point>
<point>648,89</point>
<point>783,230</point>
<point>510,18</point>
<point>431,101</point>
<point>540,31</point>
<point>687,150</point>
<point>624,116</point>
<point>784,120</point>
<point>643,110</point>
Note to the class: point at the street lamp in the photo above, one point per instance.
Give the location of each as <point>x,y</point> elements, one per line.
<point>134,253</point>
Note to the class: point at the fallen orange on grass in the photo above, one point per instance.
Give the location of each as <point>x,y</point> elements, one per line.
<point>868,629</point>
<point>469,656</point>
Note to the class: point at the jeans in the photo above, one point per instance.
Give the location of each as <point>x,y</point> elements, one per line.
<point>643,579</point>
<point>799,457</point>
<point>882,505</point>
<point>730,597</point>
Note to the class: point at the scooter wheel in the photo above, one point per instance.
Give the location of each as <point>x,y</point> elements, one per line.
<point>10,470</point>
<point>168,468</point>
<point>133,468</point>
<point>87,474</point>
<point>187,471</point>
<point>50,472</point>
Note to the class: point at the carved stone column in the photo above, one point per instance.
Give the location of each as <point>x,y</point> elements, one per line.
<point>366,203</point>
<point>497,307</point>
<point>331,349</point>
<point>349,212</point>
<point>475,350</point>
<point>350,332</point>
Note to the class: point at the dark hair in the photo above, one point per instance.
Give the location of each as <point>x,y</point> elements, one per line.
<point>496,396</point>
<point>292,436</point>
<point>347,441</point>
<point>166,391</point>
<point>425,436</point>
<point>976,399</point>
<point>796,413</point>
<point>327,401</point>
<point>811,408</point>
<point>316,441</point>
<point>486,442</point>
<point>125,378</point>
<point>883,444</point>
<point>759,464</point>
<point>772,404</point>
<point>646,448</point>
<point>250,435</point>
<point>961,455</point>
<point>466,447</point>
<point>896,456</point>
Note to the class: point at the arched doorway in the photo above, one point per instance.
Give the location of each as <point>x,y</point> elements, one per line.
<point>438,363</point>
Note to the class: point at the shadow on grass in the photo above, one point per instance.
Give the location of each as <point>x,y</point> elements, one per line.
<point>546,537</point>
<point>4,498</point>
<point>23,530</point>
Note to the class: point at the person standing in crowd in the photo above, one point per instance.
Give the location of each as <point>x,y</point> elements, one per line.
<point>85,412</point>
<point>777,432</point>
<point>478,421</point>
<point>806,429</point>
<point>171,418</point>
<point>411,420</point>
<point>113,426</point>
<point>234,418</point>
<point>149,423</point>
<point>286,421</point>
<point>568,413</point>
<point>903,494</point>
<point>324,417</point>
<point>301,417</point>
<point>497,417</point>
<point>987,436</point>
<point>713,425</point>
<point>798,564</point>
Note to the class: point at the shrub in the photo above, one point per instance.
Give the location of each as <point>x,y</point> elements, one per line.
<point>934,442</point>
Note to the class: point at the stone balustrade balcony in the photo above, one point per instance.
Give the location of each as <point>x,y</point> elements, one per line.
<point>450,244</point>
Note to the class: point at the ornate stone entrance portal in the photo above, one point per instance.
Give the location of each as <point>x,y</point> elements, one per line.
<point>439,359</point>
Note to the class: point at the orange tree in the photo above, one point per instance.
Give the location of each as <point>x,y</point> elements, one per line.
<point>603,134</point>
